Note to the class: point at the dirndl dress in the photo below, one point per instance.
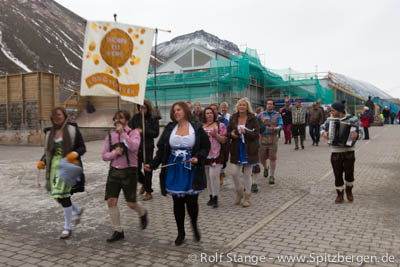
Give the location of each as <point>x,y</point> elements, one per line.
<point>57,187</point>
<point>179,177</point>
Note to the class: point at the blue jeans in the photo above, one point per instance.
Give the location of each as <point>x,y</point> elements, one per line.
<point>315,132</point>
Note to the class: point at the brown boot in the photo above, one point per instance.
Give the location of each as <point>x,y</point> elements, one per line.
<point>340,196</point>
<point>349,193</point>
<point>147,196</point>
<point>239,195</point>
<point>246,202</point>
<point>221,178</point>
<point>141,191</point>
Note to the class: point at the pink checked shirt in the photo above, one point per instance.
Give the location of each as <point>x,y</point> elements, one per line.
<point>132,142</point>
<point>215,145</point>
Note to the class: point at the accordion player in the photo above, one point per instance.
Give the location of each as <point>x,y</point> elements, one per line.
<point>340,133</point>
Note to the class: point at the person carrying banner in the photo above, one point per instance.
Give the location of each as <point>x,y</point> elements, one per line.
<point>121,148</point>
<point>184,146</point>
<point>152,130</point>
<point>63,140</point>
<point>298,122</point>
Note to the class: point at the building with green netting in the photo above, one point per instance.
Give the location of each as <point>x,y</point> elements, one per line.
<point>197,74</point>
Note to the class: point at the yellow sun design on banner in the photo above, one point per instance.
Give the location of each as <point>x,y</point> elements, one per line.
<point>114,56</point>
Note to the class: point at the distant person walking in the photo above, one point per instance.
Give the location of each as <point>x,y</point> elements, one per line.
<point>287,124</point>
<point>366,118</point>
<point>386,115</point>
<point>298,122</point>
<point>370,104</point>
<point>315,119</point>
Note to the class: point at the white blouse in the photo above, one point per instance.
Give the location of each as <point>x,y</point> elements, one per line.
<point>182,141</point>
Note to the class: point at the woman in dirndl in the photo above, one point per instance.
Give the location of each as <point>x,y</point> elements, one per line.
<point>216,132</point>
<point>63,139</point>
<point>243,130</point>
<point>183,146</point>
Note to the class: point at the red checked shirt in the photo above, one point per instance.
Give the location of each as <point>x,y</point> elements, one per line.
<point>131,141</point>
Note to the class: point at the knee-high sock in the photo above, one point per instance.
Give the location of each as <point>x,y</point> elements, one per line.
<point>67,217</point>
<point>139,209</point>
<point>296,141</point>
<point>115,218</point>
<point>76,208</point>
<point>302,139</point>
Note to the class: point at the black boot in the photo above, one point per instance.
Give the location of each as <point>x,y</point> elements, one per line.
<point>215,202</point>
<point>116,236</point>
<point>144,221</point>
<point>210,202</point>
<point>180,238</point>
<point>196,233</point>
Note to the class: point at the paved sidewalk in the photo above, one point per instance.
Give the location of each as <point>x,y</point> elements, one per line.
<point>295,217</point>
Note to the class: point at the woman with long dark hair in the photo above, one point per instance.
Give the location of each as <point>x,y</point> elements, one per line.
<point>185,145</point>
<point>216,132</point>
<point>63,140</point>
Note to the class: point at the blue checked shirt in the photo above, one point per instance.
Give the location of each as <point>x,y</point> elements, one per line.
<point>279,121</point>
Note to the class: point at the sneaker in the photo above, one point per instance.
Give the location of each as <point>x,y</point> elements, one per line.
<point>296,148</point>
<point>271,180</point>
<point>116,236</point>
<point>65,234</point>
<point>266,172</point>
<point>144,221</point>
<point>254,188</point>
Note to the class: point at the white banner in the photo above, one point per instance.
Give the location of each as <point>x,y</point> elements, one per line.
<point>115,60</point>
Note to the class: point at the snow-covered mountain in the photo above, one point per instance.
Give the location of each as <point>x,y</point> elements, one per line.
<point>201,38</point>
<point>41,35</point>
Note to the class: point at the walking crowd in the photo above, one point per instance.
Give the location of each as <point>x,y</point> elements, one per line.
<point>192,152</point>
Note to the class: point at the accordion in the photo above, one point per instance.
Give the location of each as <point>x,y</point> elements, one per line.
<point>340,133</point>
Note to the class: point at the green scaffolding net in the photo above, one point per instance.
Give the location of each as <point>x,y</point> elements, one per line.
<point>238,76</point>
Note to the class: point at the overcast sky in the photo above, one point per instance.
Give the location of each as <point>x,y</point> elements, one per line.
<point>358,38</point>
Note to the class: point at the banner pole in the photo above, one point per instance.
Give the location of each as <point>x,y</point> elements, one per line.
<point>115,20</point>
<point>144,138</point>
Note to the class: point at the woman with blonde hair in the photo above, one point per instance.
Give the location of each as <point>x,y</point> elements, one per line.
<point>243,130</point>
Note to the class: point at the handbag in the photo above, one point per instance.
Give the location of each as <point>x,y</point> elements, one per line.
<point>69,173</point>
